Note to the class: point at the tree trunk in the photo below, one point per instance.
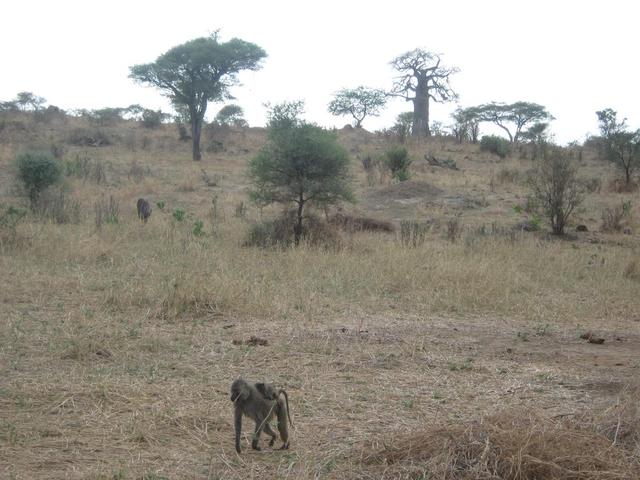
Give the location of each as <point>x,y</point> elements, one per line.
<point>297,229</point>
<point>196,129</point>
<point>421,114</point>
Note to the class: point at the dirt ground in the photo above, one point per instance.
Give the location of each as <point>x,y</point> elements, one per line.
<point>164,411</point>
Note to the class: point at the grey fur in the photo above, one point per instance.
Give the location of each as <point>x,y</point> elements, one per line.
<point>260,402</point>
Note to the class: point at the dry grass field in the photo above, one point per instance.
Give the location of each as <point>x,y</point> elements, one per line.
<point>459,358</point>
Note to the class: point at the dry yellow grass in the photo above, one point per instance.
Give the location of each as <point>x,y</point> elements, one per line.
<point>117,350</point>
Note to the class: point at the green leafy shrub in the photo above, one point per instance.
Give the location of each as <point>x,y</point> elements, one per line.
<point>37,171</point>
<point>179,214</point>
<point>496,145</point>
<point>198,228</point>
<point>398,161</point>
<point>10,217</point>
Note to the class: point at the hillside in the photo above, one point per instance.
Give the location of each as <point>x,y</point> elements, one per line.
<point>120,339</point>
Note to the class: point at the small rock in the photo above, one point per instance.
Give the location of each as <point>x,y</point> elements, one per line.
<point>582,228</point>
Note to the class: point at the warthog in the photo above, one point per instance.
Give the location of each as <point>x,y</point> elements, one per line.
<point>144,209</point>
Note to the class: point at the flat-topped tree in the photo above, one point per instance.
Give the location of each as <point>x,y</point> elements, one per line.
<point>198,72</point>
<point>422,78</point>
<point>358,102</point>
<point>511,117</point>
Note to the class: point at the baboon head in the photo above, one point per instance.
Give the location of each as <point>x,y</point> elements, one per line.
<point>240,390</point>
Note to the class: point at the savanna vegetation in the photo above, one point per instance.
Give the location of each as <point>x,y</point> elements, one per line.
<point>436,306</point>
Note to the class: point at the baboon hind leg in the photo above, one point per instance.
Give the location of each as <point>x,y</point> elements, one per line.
<point>260,425</point>
<point>269,431</point>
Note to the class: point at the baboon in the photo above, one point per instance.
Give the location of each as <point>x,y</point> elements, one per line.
<point>144,209</point>
<point>260,402</point>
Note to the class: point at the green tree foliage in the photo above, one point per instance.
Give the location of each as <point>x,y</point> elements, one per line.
<point>511,117</point>
<point>37,171</point>
<point>301,164</point>
<point>358,102</point>
<point>28,101</point>
<point>198,72</point>
<point>621,145</point>
<point>556,189</point>
<point>397,161</point>
<point>466,125</point>
<point>403,125</point>
<point>496,145</point>
<point>153,118</point>
<point>231,115</point>
<point>422,79</point>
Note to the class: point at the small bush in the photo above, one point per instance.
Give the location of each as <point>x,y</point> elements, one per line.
<point>183,135</point>
<point>37,171</point>
<point>84,137</point>
<point>57,205</point>
<point>198,228</point>
<point>152,118</point>
<point>106,211</point>
<point>137,172</point>
<point>412,233</point>
<point>592,185</point>
<point>632,270</point>
<point>453,229</point>
<point>179,214</point>
<point>556,189</point>
<point>497,145</point>
<point>280,233</point>
<point>10,217</point>
<point>613,218</point>
<point>397,161</point>
<point>86,169</point>
<point>508,175</point>
<point>361,224</point>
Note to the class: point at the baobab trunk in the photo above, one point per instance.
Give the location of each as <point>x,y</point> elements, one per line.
<point>421,115</point>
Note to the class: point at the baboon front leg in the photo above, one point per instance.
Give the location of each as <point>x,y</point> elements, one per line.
<point>269,431</point>
<point>238,426</point>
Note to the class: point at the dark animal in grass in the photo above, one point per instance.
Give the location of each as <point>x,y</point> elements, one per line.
<point>144,209</point>
<point>260,402</point>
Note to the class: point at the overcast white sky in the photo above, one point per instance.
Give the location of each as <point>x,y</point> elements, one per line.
<point>574,57</point>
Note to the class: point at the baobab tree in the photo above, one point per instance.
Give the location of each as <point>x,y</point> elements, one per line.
<point>422,79</point>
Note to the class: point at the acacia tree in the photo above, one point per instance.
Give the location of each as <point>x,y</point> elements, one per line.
<point>621,145</point>
<point>422,79</point>
<point>231,115</point>
<point>301,164</point>
<point>466,126</point>
<point>28,101</point>
<point>511,117</point>
<point>198,72</point>
<point>358,102</point>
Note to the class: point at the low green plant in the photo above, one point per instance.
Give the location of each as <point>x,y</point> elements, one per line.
<point>179,215</point>
<point>160,205</point>
<point>397,160</point>
<point>497,145</point>
<point>198,228</point>
<point>37,171</point>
